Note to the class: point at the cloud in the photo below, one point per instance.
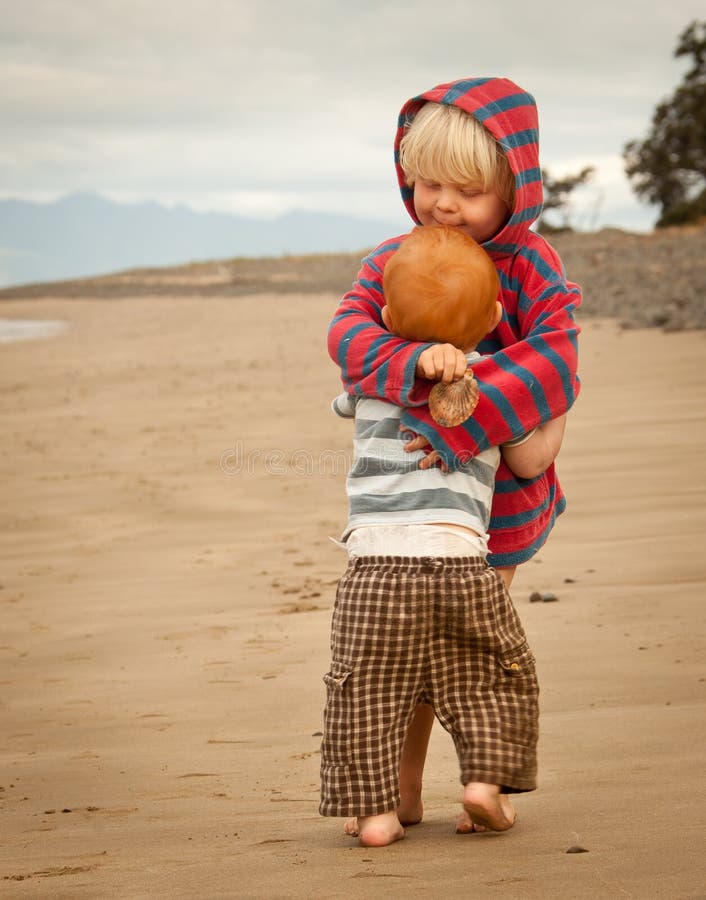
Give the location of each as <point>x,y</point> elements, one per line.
<point>294,102</point>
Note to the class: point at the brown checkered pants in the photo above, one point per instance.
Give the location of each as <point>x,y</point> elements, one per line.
<point>438,630</point>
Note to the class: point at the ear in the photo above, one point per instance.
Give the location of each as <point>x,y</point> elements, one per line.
<point>387,318</point>
<point>498,314</point>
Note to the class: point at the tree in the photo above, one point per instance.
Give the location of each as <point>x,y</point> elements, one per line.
<point>668,168</point>
<point>557,192</point>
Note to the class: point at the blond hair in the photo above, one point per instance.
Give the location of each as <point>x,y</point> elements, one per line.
<point>444,144</point>
<point>441,286</point>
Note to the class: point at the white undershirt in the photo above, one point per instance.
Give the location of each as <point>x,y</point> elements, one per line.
<point>415,540</point>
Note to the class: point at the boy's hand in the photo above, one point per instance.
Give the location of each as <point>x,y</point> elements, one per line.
<point>442,362</point>
<point>432,458</point>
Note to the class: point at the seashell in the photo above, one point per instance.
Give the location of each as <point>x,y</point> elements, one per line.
<point>451,404</point>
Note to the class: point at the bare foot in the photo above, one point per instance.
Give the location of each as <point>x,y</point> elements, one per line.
<point>407,815</point>
<point>485,809</point>
<point>380,830</point>
<point>409,812</point>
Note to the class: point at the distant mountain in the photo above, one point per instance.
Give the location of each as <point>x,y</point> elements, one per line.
<point>86,234</point>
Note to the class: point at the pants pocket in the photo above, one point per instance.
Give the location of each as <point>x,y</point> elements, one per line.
<point>517,694</point>
<point>337,715</point>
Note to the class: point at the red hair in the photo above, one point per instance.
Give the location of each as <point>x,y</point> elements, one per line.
<point>441,286</point>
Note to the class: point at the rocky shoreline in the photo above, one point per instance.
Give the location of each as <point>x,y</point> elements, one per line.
<point>643,280</point>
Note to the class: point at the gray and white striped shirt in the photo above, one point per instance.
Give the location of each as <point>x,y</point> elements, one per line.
<point>386,486</point>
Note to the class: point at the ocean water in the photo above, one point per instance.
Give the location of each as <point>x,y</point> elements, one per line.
<point>29,329</point>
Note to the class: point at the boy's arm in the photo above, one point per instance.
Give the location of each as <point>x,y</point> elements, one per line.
<point>531,380</point>
<point>533,453</point>
<point>374,362</point>
<point>344,406</point>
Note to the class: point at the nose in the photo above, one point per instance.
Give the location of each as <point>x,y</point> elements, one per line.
<point>446,199</point>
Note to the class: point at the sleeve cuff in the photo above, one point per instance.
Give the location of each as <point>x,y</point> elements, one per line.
<point>344,406</point>
<point>515,442</point>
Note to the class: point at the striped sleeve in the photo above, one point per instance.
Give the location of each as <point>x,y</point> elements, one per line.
<point>373,362</point>
<point>344,405</point>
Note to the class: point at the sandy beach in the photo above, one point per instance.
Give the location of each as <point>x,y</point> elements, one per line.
<point>171,476</point>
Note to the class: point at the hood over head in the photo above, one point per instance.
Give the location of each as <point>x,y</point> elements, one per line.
<point>510,114</point>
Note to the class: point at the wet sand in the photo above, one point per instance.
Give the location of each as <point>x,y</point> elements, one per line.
<point>171,475</point>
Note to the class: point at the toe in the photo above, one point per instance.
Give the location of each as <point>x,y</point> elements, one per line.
<point>351,827</point>
<point>466,825</point>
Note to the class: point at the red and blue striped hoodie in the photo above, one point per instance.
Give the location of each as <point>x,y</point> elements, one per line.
<point>529,375</point>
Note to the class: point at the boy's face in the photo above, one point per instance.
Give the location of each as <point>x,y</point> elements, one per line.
<point>480,215</point>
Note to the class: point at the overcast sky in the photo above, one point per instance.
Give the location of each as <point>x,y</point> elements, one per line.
<point>266,106</point>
